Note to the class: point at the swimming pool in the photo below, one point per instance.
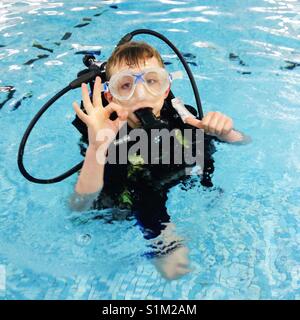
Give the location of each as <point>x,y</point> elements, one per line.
<point>244,241</point>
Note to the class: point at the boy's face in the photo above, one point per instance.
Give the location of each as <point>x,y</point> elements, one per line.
<point>141,97</point>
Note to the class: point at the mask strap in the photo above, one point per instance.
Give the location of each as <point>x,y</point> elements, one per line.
<point>176,75</point>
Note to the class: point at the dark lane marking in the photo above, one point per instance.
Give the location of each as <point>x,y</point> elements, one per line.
<point>242,63</point>
<point>189,55</point>
<point>40,56</point>
<point>19,102</point>
<point>39,46</point>
<point>81,25</point>
<point>192,63</point>
<point>290,65</point>
<point>100,13</point>
<point>10,94</point>
<point>244,72</point>
<point>66,36</point>
<point>233,56</point>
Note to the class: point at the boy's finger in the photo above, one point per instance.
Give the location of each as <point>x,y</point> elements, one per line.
<point>123,115</point>
<point>228,126</point>
<point>213,123</point>
<point>206,119</point>
<point>86,99</point>
<point>220,126</point>
<point>109,109</point>
<point>81,115</point>
<point>97,99</point>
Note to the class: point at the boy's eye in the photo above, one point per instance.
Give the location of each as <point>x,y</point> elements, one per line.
<point>152,78</point>
<point>151,81</point>
<point>126,86</point>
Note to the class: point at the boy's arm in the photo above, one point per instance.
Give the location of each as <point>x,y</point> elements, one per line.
<point>218,125</point>
<point>213,123</point>
<point>89,183</point>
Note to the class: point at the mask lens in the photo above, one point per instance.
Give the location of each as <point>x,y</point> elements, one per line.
<point>124,86</point>
<point>156,82</point>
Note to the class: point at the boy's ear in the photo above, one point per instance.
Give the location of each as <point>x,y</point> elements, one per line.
<point>108,96</point>
<point>167,92</point>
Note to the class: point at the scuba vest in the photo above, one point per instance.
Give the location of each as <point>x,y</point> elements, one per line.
<point>126,184</point>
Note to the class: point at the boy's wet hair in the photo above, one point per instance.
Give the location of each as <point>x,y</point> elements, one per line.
<point>132,52</point>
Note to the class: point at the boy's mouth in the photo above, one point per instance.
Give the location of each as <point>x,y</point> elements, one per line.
<point>134,118</point>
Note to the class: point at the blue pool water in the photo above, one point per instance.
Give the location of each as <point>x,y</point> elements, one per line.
<point>244,242</point>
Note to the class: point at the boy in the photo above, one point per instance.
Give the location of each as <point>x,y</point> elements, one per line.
<point>139,188</point>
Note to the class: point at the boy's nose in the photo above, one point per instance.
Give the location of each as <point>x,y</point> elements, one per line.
<point>140,90</point>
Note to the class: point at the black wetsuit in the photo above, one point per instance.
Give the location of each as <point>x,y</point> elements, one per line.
<point>143,188</point>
